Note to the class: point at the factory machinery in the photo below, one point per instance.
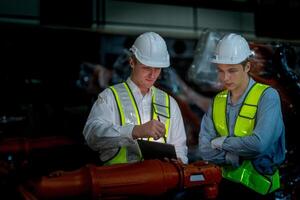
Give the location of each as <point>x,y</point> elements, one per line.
<point>148,178</point>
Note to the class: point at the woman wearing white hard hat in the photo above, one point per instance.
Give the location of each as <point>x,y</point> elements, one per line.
<point>243,130</point>
<point>136,109</point>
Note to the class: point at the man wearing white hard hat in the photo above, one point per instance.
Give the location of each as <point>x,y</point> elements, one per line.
<point>243,130</point>
<point>136,109</point>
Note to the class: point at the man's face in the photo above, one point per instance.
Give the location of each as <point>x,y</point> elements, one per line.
<point>143,76</point>
<point>232,75</point>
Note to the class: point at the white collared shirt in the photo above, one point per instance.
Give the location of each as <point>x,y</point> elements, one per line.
<point>103,132</point>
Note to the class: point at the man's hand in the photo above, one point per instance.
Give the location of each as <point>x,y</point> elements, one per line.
<point>217,143</point>
<point>153,128</point>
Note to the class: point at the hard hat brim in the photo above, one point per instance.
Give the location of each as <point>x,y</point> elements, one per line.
<point>151,63</point>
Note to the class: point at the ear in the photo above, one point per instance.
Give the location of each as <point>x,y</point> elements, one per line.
<point>131,62</point>
<point>247,67</point>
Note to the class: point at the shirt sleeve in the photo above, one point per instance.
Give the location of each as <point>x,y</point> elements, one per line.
<point>269,127</point>
<point>102,130</point>
<point>208,133</point>
<point>177,135</point>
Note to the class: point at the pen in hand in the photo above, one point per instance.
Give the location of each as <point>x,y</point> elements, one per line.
<point>164,136</point>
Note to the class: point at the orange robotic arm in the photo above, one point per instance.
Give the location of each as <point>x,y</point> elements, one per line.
<point>147,178</point>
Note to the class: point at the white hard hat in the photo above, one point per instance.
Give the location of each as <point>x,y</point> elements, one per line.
<point>151,50</point>
<point>231,49</point>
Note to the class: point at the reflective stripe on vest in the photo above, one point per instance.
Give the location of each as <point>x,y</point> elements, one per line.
<point>129,113</point>
<point>161,110</point>
<point>248,176</point>
<point>244,125</point>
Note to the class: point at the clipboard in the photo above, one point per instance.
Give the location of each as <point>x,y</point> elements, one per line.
<point>156,150</point>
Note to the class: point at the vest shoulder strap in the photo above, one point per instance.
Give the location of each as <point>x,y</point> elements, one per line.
<point>128,110</point>
<point>251,101</point>
<point>219,113</point>
<point>161,102</point>
<point>161,109</point>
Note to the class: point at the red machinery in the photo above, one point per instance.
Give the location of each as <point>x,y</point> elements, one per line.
<point>147,178</point>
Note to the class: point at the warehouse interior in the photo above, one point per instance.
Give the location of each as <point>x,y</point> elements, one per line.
<point>57,56</point>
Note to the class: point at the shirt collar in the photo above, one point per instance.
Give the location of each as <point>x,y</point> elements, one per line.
<point>135,89</point>
<point>241,99</point>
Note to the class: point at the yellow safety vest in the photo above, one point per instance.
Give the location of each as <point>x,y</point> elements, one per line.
<point>246,174</point>
<point>129,113</point>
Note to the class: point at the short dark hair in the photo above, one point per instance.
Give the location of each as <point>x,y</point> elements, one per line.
<point>135,60</point>
<point>243,63</point>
